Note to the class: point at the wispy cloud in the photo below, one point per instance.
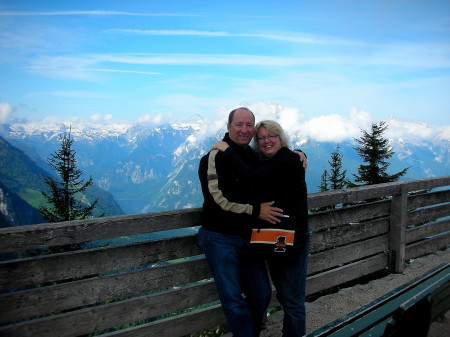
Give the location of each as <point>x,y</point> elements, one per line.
<point>427,54</point>
<point>83,67</point>
<point>86,61</point>
<point>287,36</point>
<point>98,118</point>
<point>124,71</point>
<point>6,111</point>
<point>419,55</point>
<point>211,59</point>
<point>71,94</point>
<point>93,12</point>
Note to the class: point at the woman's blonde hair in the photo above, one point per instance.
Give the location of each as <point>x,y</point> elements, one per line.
<point>273,127</point>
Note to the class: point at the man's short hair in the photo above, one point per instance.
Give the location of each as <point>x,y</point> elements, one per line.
<point>231,115</point>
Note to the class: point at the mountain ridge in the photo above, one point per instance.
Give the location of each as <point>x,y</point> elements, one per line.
<point>150,167</point>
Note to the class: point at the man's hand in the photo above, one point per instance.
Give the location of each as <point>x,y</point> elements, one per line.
<point>269,213</point>
<point>302,159</point>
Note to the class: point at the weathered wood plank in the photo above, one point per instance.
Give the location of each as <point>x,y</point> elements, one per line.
<point>112,315</point>
<point>333,218</point>
<point>181,325</point>
<point>321,199</point>
<point>176,326</point>
<point>427,199</point>
<point>347,234</point>
<point>427,246</point>
<point>77,231</point>
<point>28,303</point>
<point>335,257</point>
<point>426,183</point>
<point>428,214</point>
<point>424,231</point>
<point>64,266</point>
<point>346,273</point>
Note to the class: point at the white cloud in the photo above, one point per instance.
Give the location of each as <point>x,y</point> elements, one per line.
<point>403,128</point>
<point>108,118</point>
<point>443,133</point>
<point>361,118</point>
<point>336,128</point>
<point>95,117</point>
<point>102,118</point>
<point>6,111</point>
<point>288,117</point>
<point>332,128</point>
<point>155,119</point>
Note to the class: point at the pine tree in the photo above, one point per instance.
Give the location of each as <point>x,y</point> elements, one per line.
<point>375,151</point>
<point>323,187</point>
<point>337,177</point>
<point>62,203</point>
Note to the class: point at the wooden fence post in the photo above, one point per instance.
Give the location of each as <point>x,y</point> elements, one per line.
<point>398,232</point>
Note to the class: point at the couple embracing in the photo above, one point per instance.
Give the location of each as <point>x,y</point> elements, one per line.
<point>255,215</point>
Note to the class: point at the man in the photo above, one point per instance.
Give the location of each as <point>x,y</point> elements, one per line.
<point>226,229</point>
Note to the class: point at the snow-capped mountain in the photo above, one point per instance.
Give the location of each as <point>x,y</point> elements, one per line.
<point>132,161</point>
<point>151,168</point>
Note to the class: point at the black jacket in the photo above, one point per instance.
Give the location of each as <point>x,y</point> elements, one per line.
<point>227,206</point>
<point>280,179</point>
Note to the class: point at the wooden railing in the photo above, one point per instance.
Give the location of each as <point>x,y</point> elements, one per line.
<point>156,283</point>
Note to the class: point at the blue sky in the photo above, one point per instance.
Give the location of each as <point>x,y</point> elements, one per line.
<point>168,60</point>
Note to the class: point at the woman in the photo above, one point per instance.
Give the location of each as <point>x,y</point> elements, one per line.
<point>281,178</point>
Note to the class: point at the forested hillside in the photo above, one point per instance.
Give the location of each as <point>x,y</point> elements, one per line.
<point>21,184</point>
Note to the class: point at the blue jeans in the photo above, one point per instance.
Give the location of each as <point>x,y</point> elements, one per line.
<point>235,273</point>
<point>289,278</point>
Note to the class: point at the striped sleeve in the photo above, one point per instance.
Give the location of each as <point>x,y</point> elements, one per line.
<point>213,186</point>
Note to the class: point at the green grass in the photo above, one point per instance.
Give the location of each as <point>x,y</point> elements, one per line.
<point>33,197</point>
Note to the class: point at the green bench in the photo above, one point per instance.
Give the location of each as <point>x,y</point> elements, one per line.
<point>405,311</point>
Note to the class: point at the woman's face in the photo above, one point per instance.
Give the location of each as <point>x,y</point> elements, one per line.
<point>268,142</point>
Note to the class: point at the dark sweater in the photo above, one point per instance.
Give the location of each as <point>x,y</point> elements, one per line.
<point>280,179</point>
<point>227,206</point>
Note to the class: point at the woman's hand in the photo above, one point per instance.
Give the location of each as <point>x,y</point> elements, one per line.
<point>220,145</point>
<point>303,159</point>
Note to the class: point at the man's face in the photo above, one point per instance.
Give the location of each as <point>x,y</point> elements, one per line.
<point>242,127</point>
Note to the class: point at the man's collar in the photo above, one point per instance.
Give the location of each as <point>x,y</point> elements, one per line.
<point>234,145</point>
